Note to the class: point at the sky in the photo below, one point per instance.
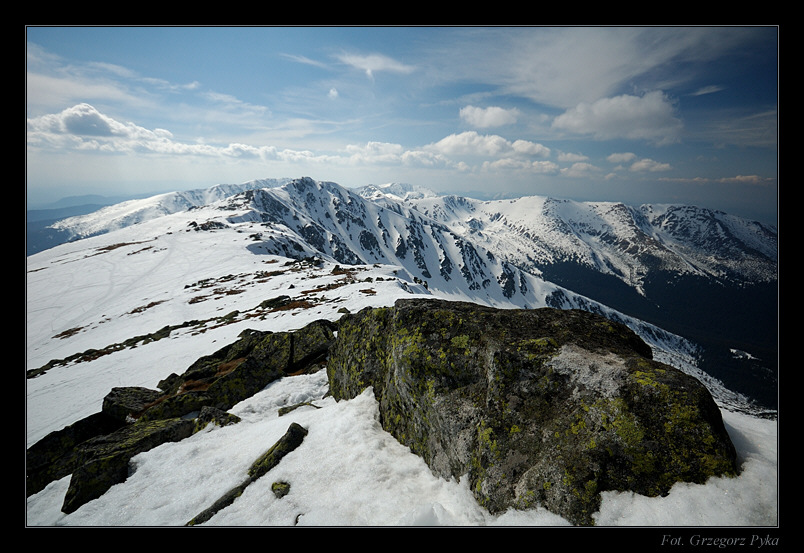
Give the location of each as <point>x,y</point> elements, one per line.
<point>629,114</point>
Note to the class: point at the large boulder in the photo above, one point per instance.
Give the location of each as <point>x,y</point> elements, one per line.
<point>536,407</point>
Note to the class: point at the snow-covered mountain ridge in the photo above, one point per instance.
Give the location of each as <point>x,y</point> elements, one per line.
<point>612,238</point>
<point>132,212</point>
<point>706,275</point>
<point>135,304</point>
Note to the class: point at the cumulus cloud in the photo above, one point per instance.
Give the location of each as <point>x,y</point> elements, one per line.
<point>637,165</point>
<point>622,157</point>
<point>649,165</point>
<point>83,120</point>
<point>580,170</point>
<point>375,152</point>
<point>649,117</point>
<point>571,157</point>
<point>84,128</point>
<point>488,117</point>
<point>528,148</point>
<point>473,144</point>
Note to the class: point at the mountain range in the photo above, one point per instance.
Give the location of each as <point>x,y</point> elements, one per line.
<point>702,280</point>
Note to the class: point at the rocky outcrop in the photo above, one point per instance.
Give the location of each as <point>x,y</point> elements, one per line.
<point>96,450</point>
<point>535,407</point>
<point>542,406</point>
<point>102,462</point>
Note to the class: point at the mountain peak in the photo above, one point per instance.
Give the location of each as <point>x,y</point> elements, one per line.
<point>395,190</point>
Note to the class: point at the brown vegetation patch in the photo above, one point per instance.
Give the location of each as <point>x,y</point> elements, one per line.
<point>194,386</point>
<point>144,307</point>
<point>228,291</point>
<point>68,333</point>
<point>295,304</point>
<point>229,366</point>
<point>112,247</point>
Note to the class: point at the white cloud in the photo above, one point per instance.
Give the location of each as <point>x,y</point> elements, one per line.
<point>488,117</point>
<point>649,165</point>
<point>528,148</point>
<point>622,157</point>
<point>707,90</point>
<point>83,120</point>
<point>568,156</point>
<point>544,167</point>
<point>473,144</point>
<point>580,170</point>
<point>84,128</point>
<point>373,63</point>
<point>565,66</point>
<point>649,117</point>
<point>375,152</point>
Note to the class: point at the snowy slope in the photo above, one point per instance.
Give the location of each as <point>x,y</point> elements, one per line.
<point>133,212</point>
<point>613,238</point>
<point>205,272</point>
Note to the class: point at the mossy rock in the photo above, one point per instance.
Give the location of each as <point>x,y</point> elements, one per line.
<point>96,449</point>
<point>53,457</point>
<point>539,407</point>
<point>125,403</point>
<point>103,460</point>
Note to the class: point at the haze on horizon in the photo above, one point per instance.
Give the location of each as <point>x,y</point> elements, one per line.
<point>631,114</point>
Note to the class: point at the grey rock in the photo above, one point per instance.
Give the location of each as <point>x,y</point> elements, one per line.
<point>536,407</point>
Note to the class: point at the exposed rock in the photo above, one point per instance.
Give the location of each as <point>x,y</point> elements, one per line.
<point>287,443</point>
<point>280,489</point>
<point>546,406</point>
<point>103,461</point>
<point>211,415</point>
<point>290,408</point>
<point>53,457</point>
<point>268,460</point>
<point>125,402</point>
<point>96,450</point>
<point>533,406</point>
<point>245,367</point>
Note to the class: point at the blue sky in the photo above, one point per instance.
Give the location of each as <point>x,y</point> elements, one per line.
<point>638,115</point>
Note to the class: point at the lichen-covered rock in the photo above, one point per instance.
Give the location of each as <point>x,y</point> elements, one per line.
<point>544,406</point>
<point>212,415</point>
<point>280,489</point>
<point>288,442</point>
<point>96,449</point>
<point>124,403</point>
<point>245,367</point>
<point>103,460</point>
<point>53,457</point>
